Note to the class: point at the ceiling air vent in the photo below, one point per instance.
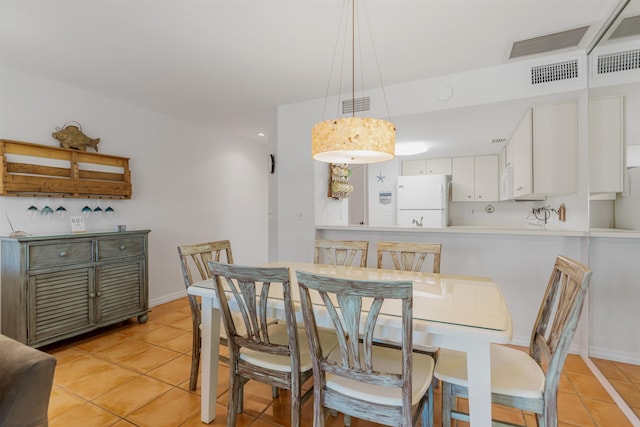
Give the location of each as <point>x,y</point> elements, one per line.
<point>554,72</point>
<point>619,61</point>
<point>629,26</point>
<point>548,43</point>
<point>356,105</point>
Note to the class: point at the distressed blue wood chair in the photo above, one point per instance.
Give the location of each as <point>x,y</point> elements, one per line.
<point>340,252</point>
<point>528,382</point>
<point>193,262</point>
<point>384,385</point>
<point>259,349</point>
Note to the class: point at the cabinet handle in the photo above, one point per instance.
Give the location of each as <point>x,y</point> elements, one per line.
<point>123,247</point>
<point>63,253</point>
<point>519,188</point>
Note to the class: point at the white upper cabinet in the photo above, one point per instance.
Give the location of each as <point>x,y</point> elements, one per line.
<point>486,178</point>
<point>475,179</point>
<point>606,145</point>
<point>414,167</point>
<point>463,180</point>
<point>545,151</point>
<point>427,167</point>
<point>439,166</point>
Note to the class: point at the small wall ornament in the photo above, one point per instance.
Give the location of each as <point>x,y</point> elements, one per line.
<point>71,136</point>
<point>339,187</point>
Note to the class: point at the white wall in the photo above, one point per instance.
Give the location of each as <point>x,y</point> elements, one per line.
<point>190,184</point>
<point>613,299</point>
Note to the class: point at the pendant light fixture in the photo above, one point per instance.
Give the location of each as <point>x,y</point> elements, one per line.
<point>353,140</point>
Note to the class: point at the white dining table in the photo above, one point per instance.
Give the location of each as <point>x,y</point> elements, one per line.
<point>456,312</point>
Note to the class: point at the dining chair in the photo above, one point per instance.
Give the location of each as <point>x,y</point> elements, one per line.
<point>340,252</point>
<point>384,385</point>
<point>410,256</point>
<point>524,381</point>
<point>272,353</point>
<point>193,261</point>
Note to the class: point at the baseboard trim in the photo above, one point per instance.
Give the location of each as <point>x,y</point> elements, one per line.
<point>167,298</point>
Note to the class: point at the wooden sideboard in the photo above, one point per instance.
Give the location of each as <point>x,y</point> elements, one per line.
<point>56,287</point>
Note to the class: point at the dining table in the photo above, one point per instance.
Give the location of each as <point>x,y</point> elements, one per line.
<point>457,312</point>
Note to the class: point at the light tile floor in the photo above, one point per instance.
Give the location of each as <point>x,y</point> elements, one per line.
<point>138,375</point>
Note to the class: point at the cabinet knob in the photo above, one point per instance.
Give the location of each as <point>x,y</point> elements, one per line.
<point>469,196</point>
<point>63,253</point>
<point>519,188</point>
<point>123,247</point>
<point>479,196</point>
<point>92,295</point>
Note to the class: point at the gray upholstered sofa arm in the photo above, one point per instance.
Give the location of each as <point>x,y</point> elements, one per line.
<point>26,378</point>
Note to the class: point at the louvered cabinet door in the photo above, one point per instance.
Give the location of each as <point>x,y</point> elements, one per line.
<point>120,290</point>
<point>121,277</point>
<point>61,303</point>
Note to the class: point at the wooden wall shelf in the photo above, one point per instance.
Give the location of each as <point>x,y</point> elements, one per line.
<point>35,170</point>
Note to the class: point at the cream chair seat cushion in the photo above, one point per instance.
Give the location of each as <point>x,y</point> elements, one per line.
<point>391,360</point>
<point>513,372</point>
<point>278,335</point>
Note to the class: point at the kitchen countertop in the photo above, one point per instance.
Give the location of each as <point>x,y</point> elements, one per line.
<point>614,232</point>
<point>465,229</point>
<point>476,229</point>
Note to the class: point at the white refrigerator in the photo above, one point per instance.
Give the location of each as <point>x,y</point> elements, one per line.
<point>422,201</point>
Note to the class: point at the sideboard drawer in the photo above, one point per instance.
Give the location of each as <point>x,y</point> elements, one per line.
<point>43,256</point>
<point>121,247</point>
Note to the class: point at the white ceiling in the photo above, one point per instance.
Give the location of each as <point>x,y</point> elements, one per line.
<point>226,64</point>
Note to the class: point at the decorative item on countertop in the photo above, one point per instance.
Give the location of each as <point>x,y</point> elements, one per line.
<point>71,136</point>
<point>15,233</point>
<point>77,224</point>
<point>339,187</point>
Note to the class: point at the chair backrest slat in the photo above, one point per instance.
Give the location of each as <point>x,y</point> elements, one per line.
<point>410,256</point>
<point>340,252</point>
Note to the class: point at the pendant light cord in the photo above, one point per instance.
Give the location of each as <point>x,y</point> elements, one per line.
<point>353,61</point>
<point>353,57</point>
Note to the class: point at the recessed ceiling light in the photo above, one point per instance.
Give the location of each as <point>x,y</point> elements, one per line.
<point>261,134</point>
<point>411,148</point>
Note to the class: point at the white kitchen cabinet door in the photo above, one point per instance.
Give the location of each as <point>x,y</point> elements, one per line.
<point>486,177</point>
<point>475,179</point>
<point>439,166</point>
<point>521,155</point>
<point>414,167</point>
<point>606,145</point>
<point>463,179</point>
<point>555,149</point>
